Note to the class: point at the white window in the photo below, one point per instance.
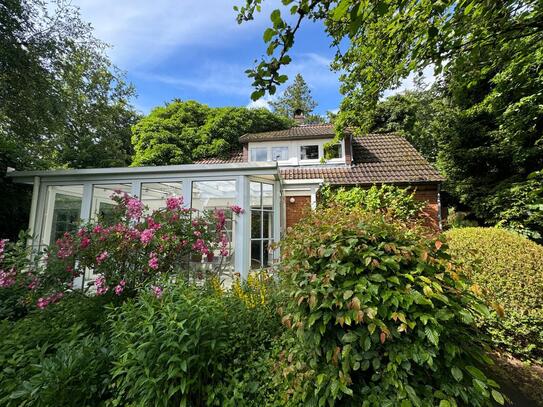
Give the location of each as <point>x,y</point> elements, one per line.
<point>309,152</point>
<point>334,151</point>
<point>279,153</point>
<point>259,154</point>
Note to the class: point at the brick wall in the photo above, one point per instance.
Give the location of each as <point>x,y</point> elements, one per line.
<point>296,210</point>
<point>348,150</point>
<point>428,193</point>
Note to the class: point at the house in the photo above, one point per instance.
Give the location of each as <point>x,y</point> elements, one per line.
<point>275,177</point>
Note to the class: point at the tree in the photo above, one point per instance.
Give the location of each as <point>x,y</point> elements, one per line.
<point>182,132</point>
<point>296,97</point>
<point>62,102</point>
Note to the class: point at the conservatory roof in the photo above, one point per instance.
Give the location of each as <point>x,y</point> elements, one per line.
<point>192,170</point>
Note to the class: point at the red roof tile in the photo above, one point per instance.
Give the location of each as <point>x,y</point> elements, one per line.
<point>310,131</point>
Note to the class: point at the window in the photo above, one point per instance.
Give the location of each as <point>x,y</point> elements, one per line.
<point>102,204</point>
<point>259,154</point>
<point>209,195</point>
<point>309,152</point>
<point>154,194</point>
<point>62,212</point>
<point>334,151</point>
<point>279,153</point>
<point>261,224</point>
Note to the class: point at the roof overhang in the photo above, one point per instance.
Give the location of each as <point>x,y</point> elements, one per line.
<point>192,170</point>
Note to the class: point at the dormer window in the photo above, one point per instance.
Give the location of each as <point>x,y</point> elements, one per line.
<point>279,153</point>
<point>333,151</point>
<point>259,154</point>
<point>310,152</point>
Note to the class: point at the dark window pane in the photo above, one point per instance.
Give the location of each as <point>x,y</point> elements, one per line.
<point>256,254</point>
<point>256,224</point>
<point>334,151</point>
<point>267,231</point>
<point>309,152</point>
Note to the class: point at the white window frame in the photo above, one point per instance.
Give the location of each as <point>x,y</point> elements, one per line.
<point>254,151</point>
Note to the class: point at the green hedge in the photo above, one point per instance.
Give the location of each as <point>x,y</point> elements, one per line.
<point>509,270</point>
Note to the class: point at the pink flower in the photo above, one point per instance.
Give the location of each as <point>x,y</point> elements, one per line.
<point>223,245</point>
<point>134,208</point>
<point>174,202</point>
<point>197,233</point>
<point>221,219</point>
<point>120,287</point>
<point>147,235</point>
<point>200,246</point>
<point>65,246</point>
<point>153,261</point>
<point>101,285</point>
<point>85,242</point>
<point>97,229</point>
<point>157,291</point>
<point>2,248</point>
<point>81,232</point>
<point>210,257</point>
<point>33,284</point>
<point>7,278</point>
<point>42,303</point>
<point>237,209</point>
<point>102,257</point>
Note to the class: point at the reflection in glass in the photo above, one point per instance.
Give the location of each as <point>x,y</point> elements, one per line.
<point>309,152</point>
<point>62,211</point>
<point>261,224</point>
<point>102,204</point>
<point>154,194</point>
<point>213,194</point>
<point>279,153</point>
<point>259,154</point>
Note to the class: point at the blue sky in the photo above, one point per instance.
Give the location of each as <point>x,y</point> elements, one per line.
<point>192,49</point>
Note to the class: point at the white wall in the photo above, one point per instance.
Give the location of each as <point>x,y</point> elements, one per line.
<point>294,151</point>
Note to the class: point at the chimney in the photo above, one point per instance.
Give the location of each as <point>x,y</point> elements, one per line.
<point>299,117</point>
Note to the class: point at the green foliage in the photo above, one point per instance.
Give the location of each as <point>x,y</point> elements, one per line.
<point>297,96</point>
<point>54,356</point>
<point>182,132</point>
<point>189,343</point>
<point>378,316</point>
<point>398,202</point>
<point>509,270</point>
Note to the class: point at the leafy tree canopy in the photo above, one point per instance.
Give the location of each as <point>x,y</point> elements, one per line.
<point>184,131</point>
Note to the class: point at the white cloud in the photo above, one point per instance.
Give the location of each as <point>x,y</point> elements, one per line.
<point>144,32</point>
<point>262,103</point>
<point>409,82</point>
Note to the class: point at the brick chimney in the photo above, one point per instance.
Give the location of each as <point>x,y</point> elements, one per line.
<point>299,117</point>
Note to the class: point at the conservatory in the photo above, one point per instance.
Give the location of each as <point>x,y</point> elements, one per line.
<point>62,199</point>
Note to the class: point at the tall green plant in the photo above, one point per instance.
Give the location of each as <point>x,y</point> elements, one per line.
<point>378,316</point>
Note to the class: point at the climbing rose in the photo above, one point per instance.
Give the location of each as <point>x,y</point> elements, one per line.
<point>237,209</point>
<point>174,202</point>
<point>102,257</point>
<point>7,278</point>
<point>153,261</point>
<point>134,208</point>
<point>101,286</point>
<point>147,235</point>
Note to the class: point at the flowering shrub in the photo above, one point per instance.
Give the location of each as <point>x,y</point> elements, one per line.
<point>126,253</point>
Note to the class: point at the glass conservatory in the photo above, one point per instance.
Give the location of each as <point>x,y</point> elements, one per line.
<point>63,199</point>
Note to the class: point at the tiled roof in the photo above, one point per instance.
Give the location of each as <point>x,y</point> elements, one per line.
<point>294,133</point>
<point>377,158</point>
<point>235,157</point>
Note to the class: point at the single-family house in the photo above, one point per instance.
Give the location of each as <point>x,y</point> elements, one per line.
<point>275,176</point>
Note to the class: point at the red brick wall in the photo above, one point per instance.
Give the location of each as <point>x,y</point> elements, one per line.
<point>296,210</point>
<point>428,193</point>
<point>245,152</point>
<point>348,150</point>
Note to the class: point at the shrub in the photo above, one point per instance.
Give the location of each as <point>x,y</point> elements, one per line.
<point>127,249</point>
<point>54,356</point>
<point>378,316</point>
<point>398,202</point>
<point>509,270</point>
<point>186,346</point>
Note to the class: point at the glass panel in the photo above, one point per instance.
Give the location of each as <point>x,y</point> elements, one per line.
<point>256,224</point>
<point>266,255</point>
<point>102,204</point>
<point>259,154</point>
<point>154,194</point>
<point>334,151</point>
<point>256,254</point>
<point>267,196</point>
<point>62,212</point>
<point>213,194</point>
<point>279,153</point>
<point>309,152</point>
<point>256,194</point>
<point>267,224</point>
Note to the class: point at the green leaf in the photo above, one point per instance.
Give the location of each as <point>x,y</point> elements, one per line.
<point>349,337</point>
<point>341,9</point>
<point>431,335</point>
<point>444,403</point>
<point>268,34</point>
<point>276,17</point>
<point>457,374</point>
<point>496,395</point>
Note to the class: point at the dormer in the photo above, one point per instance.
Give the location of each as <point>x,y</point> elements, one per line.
<point>298,146</point>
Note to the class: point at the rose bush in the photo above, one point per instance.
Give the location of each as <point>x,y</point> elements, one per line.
<point>126,252</point>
